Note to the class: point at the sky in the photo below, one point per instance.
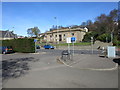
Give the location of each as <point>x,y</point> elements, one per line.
<point>19,16</point>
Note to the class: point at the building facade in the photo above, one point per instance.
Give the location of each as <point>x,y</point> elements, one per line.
<point>4,35</point>
<point>60,35</point>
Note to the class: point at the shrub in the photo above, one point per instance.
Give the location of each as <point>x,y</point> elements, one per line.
<point>87,37</point>
<point>21,45</point>
<point>104,37</point>
<point>116,42</point>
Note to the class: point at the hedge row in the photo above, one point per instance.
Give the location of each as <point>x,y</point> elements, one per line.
<point>21,45</point>
<point>116,43</point>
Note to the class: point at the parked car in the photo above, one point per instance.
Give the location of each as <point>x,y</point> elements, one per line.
<point>37,47</point>
<point>48,47</point>
<point>6,49</point>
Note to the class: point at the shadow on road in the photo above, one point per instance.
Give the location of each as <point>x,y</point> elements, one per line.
<point>117,60</point>
<point>14,68</point>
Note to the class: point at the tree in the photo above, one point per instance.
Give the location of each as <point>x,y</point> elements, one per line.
<point>119,21</point>
<point>89,22</point>
<point>90,25</point>
<point>114,15</point>
<point>83,24</point>
<point>104,25</point>
<point>87,37</point>
<point>33,31</point>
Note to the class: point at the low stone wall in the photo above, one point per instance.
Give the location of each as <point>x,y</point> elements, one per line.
<point>87,47</point>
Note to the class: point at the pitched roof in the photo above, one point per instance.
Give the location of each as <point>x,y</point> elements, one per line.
<point>2,33</point>
<point>7,34</point>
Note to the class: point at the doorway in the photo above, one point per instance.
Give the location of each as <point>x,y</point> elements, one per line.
<point>60,37</point>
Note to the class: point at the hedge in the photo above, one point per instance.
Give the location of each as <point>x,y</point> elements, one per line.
<point>106,37</point>
<point>87,37</point>
<point>21,45</point>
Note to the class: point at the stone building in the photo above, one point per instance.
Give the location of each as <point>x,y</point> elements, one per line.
<point>60,35</point>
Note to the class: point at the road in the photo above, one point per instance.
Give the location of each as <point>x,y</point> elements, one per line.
<point>58,52</point>
<point>41,70</point>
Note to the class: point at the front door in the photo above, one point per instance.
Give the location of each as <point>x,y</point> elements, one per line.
<point>60,37</point>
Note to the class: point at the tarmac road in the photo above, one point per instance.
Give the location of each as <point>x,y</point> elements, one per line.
<point>45,72</point>
<point>58,51</point>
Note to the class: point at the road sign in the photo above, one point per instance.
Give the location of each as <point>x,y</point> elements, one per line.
<point>68,40</point>
<point>73,39</point>
<point>35,40</point>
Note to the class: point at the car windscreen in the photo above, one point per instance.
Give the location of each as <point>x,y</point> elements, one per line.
<point>9,47</point>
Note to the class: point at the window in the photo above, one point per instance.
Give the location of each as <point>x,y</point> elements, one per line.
<point>72,34</point>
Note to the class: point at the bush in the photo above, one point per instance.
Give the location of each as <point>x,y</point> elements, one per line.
<point>87,37</point>
<point>116,42</point>
<point>104,37</point>
<point>21,45</point>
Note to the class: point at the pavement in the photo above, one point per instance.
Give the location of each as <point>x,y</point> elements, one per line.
<point>91,62</point>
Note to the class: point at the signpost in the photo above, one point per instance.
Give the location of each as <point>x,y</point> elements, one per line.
<point>35,40</point>
<point>68,40</point>
<point>73,40</point>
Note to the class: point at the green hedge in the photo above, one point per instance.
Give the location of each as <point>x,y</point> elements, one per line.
<point>116,42</point>
<point>87,37</point>
<point>21,45</point>
<point>106,37</point>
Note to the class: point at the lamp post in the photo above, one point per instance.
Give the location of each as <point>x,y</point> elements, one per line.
<point>57,30</point>
<point>112,32</point>
<point>13,29</point>
<point>69,37</point>
<point>112,37</point>
<point>70,29</point>
<point>92,44</point>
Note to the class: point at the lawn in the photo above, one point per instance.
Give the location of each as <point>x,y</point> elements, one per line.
<point>76,44</point>
<point>65,44</point>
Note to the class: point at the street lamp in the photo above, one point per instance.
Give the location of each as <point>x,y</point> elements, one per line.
<point>92,44</point>
<point>13,29</point>
<point>115,23</point>
<point>57,30</point>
